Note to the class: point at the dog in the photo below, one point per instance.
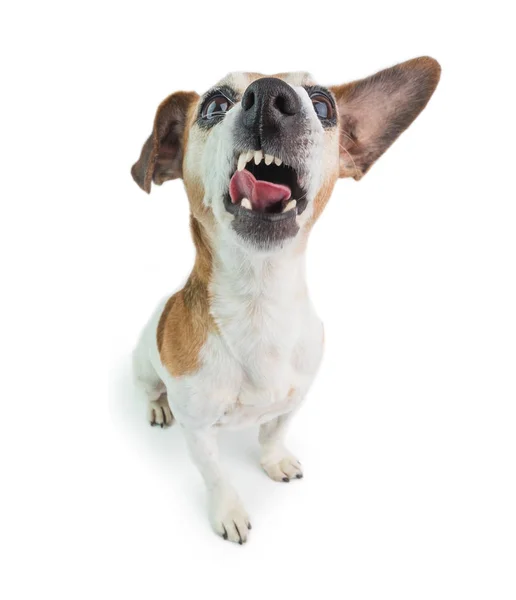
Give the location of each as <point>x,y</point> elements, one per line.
<point>240,343</point>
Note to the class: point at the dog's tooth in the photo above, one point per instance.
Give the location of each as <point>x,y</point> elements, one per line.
<point>242,161</point>
<point>277,161</point>
<point>258,157</point>
<point>268,159</point>
<point>246,204</point>
<point>292,204</point>
<point>249,156</point>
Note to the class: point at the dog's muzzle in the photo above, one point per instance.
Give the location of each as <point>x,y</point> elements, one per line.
<point>265,192</point>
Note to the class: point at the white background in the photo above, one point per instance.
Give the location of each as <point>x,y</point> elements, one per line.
<point>408,436</point>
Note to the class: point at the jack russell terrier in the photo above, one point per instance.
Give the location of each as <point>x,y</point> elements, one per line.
<point>241,343</point>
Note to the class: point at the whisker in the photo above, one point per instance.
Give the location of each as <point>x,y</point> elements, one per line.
<point>349,137</point>
<point>301,198</point>
<point>351,158</point>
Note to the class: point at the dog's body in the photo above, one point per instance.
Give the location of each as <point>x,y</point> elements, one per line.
<point>241,343</point>
<point>261,360</point>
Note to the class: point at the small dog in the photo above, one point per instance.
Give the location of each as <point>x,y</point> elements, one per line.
<point>241,343</point>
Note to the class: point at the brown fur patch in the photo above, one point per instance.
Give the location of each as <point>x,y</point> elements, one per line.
<point>254,76</point>
<point>186,320</point>
<point>162,153</point>
<point>320,202</point>
<point>322,197</point>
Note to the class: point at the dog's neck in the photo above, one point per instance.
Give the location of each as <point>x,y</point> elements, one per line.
<point>247,273</point>
<point>274,275</point>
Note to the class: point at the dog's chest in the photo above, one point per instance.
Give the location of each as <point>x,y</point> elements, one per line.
<point>274,338</point>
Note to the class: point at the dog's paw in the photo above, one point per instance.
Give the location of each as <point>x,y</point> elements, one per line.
<point>229,518</point>
<point>283,468</point>
<point>159,412</point>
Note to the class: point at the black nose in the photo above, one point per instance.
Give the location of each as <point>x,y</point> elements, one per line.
<point>269,105</point>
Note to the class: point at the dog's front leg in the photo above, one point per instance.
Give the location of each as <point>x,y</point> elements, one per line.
<point>277,461</point>
<point>227,514</point>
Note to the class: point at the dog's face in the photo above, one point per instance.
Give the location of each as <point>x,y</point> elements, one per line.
<point>260,155</point>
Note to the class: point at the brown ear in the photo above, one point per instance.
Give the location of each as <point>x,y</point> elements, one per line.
<point>161,158</point>
<point>373,112</point>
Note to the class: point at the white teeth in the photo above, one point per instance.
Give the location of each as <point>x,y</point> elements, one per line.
<point>257,156</point>
<point>246,204</point>
<point>290,206</point>
<point>242,161</point>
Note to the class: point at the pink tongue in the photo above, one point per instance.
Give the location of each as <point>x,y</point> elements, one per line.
<point>261,194</point>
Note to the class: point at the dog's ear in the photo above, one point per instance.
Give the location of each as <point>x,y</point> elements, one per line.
<point>374,111</point>
<point>161,158</point>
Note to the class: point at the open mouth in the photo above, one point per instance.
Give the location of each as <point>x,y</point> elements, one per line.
<point>264,187</point>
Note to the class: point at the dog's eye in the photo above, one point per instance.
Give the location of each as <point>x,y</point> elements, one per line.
<point>323,106</point>
<point>215,107</point>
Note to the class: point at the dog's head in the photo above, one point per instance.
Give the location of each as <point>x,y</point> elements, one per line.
<point>260,155</point>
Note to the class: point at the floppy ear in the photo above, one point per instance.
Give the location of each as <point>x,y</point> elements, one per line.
<point>373,112</point>
<point>162,154</point>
